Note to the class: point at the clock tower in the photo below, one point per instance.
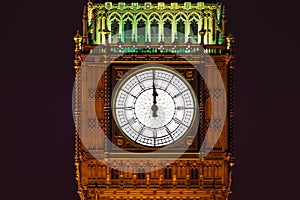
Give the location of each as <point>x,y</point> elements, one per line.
<point>152,101</point>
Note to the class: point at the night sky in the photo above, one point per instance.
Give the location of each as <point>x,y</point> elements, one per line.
<point>37,131</point>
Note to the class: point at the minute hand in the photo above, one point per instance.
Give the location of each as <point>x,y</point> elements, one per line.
<point>154,90</point>
<point>154,107</point>
<point>154,94</point>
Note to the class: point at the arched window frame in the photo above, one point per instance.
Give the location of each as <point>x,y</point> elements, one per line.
<point>139,18</point>
<point>181,17</point>
<point>127,17</point>
<point>141,173</point>
<point>168,173</point>
<point>114,173</point>
<point>168,17</point>
<point>197,18</point>
<point>114,16</point>
<point>155,17</point>
<point>194,173</point>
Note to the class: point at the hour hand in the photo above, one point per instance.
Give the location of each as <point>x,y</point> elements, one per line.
<point>154,108</point>
<point>154,94</point>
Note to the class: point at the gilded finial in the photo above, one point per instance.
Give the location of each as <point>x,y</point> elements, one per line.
<point>84,11</point>
<point>77,39</point>
<point>77,61</point>
<point>230,41</point>
<point>230,38</point>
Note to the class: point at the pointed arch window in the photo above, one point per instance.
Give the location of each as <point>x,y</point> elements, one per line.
<point>194,30</point>
<point>141,173</point>
<point>154,31</point>
<point>180,31</point>
<point>114,32</point>
<point>168,173</point>
<point>114,173</point>
<point>141,31</point>
<point>128,31</point>
<point>194,173</point>
<point>167,31</point>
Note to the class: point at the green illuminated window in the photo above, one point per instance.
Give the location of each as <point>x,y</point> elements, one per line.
<point>167,31</point>
<point>114,32</point>
<point>181,31</point>
<point>194,30</point>
<point>141,32</point>
<point>128,31</point>
<point>154,31</point>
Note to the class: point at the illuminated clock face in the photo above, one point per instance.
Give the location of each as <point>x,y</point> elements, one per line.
<point>154,106</point>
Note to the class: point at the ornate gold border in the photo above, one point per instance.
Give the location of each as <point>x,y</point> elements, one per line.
<point>131,73</point>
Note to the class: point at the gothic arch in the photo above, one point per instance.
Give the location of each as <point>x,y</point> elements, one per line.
<point>194,16</point>
<point>128,16</point>
<point>140,16</point>
<point>154,16</point>
<point>167,16</point>
<point>182,16</point>
<point>114,15</point>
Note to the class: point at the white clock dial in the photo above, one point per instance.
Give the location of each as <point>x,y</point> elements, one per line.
<point>154,106</point>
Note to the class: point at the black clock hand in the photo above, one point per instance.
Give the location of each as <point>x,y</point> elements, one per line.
<point>154,90</point>
<point>154,107</point>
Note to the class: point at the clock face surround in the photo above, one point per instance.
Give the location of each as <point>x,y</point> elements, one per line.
<point>154,106</point>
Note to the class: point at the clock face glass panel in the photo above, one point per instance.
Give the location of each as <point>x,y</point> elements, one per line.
<point>154,106</point>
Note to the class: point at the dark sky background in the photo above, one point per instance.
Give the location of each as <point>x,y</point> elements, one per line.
<point>37,131</point>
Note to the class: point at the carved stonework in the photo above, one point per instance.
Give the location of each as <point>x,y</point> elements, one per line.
<point>217,93</point>
<point>91,93</point>
<point>102,123</point>
<point>188,177</point>
<point>119,74</point>
<point>189,74</point>
<point>92,123</point>
<point>101,94</point>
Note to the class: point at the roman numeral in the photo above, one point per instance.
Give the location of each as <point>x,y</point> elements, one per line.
<point>141,130</point>
<point>169,83</point>
<point>169,132</point>
<point>126,108</point>
<point>129,93</point>
<point>177,120</point>
<point>140,84</point>
<point>131,121</point>
<point>154,133</point>
<point>177,95</point>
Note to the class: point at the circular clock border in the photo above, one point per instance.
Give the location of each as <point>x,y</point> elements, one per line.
<point>135,70</point>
